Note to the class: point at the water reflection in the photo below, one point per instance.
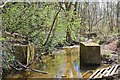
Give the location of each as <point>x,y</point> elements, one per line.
<point>72,67</point>
<point>64,64</point>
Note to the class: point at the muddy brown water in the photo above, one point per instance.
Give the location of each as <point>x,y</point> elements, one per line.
<point>64,64</point>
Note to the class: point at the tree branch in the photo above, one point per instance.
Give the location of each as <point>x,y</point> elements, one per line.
<point>98,21</point>
<point>60,4</point>
<point>51,27</point>
<point>25,67</point>
<point>1,6</point>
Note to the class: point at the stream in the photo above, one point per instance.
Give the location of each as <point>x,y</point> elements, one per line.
<point>64,64</point>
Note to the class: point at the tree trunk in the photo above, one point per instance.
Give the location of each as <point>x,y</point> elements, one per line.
<point>68,36</point>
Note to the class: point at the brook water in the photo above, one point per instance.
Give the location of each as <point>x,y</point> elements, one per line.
<point>64,64</point>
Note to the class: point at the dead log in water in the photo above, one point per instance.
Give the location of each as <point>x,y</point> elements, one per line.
<point>26,67</point>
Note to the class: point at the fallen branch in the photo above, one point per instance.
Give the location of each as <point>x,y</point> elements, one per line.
<point>25,67</point>
<point>17,69</point>
<point>35,70</point>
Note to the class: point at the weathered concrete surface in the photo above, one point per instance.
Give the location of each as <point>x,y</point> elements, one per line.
<point>24,53</point>
<point>90,54</point>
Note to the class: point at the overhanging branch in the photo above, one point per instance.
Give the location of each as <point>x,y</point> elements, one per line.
<point>1,6</point>
<point>52,26</point>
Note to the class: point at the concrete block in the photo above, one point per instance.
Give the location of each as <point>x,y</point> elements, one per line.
<point>90,53</point>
